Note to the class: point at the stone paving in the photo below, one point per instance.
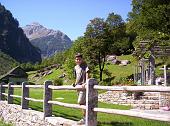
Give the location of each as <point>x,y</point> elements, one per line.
<point>12,113</point>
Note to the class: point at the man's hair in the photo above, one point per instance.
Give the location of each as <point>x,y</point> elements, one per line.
<point>78,55</point>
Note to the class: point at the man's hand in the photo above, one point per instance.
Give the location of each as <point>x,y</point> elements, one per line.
<point>84,85</point>
<point>73,84</point>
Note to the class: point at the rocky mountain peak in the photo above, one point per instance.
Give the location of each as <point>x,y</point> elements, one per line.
<point>49,41</point>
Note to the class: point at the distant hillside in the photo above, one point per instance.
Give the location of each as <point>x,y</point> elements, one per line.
<point>13,40</point>
<point>47,40</point>
<point>6,63</point>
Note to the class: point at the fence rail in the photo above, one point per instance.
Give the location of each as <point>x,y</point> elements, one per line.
<point>134,88</point>
<point>91,98</point>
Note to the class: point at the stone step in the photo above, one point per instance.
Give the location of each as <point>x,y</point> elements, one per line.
<point>146,106</point>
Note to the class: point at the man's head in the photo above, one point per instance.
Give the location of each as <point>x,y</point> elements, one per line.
<point>78,58</point>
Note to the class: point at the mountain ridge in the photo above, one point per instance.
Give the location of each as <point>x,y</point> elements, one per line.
<point>49,41</point>
<point>13,41</point>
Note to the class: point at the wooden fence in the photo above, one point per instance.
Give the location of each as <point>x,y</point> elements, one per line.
<point>91,98</point>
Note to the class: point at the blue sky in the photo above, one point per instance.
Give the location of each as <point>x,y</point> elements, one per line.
<point>69,16</point>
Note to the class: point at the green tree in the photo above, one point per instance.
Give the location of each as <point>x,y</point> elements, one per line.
<point>122,42</point>
<point>150,19</point>
<point>97,43</point>
<point>150,14</point>
<point>76,47</point>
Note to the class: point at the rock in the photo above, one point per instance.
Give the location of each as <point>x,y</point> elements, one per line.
<point>124,62</point>
<point>47,40</point>
<point>11,113</point>
<point>110,57</point>
<point>149,100</point>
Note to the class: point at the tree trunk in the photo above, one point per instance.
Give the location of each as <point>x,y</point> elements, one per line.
<point>101,73</point>
<point>101,64</point>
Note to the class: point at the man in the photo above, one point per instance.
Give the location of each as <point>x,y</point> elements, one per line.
<point>82,74</point>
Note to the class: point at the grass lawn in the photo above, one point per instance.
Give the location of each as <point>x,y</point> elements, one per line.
<point>54,75</point>
<point>4,124</point>
<point>75,114</point>
<point>117,74</point>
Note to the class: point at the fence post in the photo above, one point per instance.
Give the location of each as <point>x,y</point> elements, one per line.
<point>91,103</point>
<point>47,108</point>
<point>10,92</point>
<point>25,93</point>
<point>2,90</point>
<point>165,76</point>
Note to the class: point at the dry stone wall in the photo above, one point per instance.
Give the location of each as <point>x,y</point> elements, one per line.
<point>14,114</point>
<point>149,100</point>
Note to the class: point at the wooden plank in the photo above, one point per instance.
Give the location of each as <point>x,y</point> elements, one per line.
<point>163,68</point>
<point>78,87</point>
<point>5,85</point>
<point>161,55</point>
<point>16,96</point>
<point>161,51</point>
<point>167,47</point>
<point>35,100</point>
<point>5,94</point>
<point>16,86</point>
<point>134,114</point>
<point>134,88</point>
<point>67,105</point>
<point>35,86</point>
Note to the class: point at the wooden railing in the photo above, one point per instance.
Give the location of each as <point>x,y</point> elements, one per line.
<point>91,98</point>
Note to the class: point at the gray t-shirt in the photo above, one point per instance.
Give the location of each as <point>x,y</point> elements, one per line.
<point>80,73</point>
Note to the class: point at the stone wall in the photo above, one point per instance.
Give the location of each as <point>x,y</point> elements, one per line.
<point>149,100</point>
<point>12,113</point>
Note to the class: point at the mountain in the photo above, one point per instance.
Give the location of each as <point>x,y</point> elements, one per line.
<point>6,63</point>
<point>47,40</point>
<point>13,41</point>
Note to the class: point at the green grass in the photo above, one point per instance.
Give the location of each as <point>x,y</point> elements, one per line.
<point>117,74</point>
<point>3,123</point>
<point>122,71</point>
<point>75,114</point>
<point>55,75</point>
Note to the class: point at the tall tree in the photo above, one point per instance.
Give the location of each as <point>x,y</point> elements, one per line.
<point>150,19</point>
<point>76,47</point>
<point>122,42</point>
<point>150,15</point>
<point>97,44</point>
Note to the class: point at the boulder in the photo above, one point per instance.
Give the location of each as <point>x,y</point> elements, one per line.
<point>124,62</point>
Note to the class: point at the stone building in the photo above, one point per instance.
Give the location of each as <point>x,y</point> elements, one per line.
<point>16,75</point>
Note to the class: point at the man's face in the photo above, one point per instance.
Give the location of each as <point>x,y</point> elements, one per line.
<point>78,60</point>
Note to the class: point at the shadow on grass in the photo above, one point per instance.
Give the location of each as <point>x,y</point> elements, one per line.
<point>39,107</point>
<point>66,116</point>
<point>115,124</point>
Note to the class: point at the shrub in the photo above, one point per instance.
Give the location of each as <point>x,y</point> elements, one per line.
<point>122,81</point>
<point>58,82</point>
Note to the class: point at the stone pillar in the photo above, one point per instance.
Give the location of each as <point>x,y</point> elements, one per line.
<point>149,72</point>
<point>47,108</point>
<point>142,72</point>
<point>2,90</point>
<point>135,75</point>
<point>25,93</point>
<point>152,70</point>
<point>165,76</point>
<point>91,103</point>
<point>10,92</point>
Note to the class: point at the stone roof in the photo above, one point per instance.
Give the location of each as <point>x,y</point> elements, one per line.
<point>17,72</point>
